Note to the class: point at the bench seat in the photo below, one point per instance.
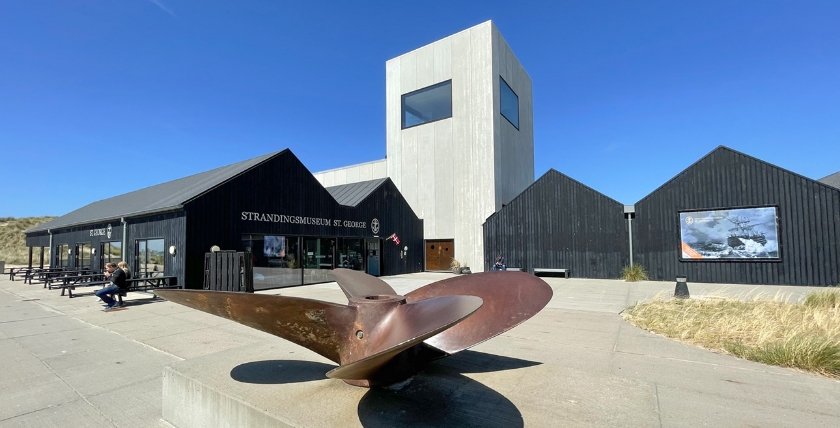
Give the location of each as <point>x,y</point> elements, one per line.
<point>565,272</point>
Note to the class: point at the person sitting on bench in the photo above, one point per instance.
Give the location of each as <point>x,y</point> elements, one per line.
<point>500,263</point>
<point>118,295</point>
<point>117,278</point>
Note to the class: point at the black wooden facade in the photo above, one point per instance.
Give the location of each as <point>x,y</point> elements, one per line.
<point>250,202</point>
<point>808,218</point>
<point>559,223</point>
<point>283,186</point>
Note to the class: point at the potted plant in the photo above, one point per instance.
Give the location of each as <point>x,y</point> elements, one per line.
<point>455,265</point>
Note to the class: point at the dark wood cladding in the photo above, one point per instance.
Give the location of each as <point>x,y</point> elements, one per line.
<point>809,222</point>
<point>283,186</point>
<point>41,239</point>
<point>395,217</point>
<point>74,236</point>
<point>559,223</point>
<point>171,228</point>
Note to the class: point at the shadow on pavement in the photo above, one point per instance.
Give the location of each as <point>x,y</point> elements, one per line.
<point>439,396</point>
<point>280,371</point>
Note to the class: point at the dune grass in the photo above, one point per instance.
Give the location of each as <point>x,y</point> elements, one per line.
<point>635,273</point>
<point>803,335</point>
<point>13,248</point>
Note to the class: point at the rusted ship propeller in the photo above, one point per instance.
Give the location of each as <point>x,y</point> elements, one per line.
<point>380,337</point>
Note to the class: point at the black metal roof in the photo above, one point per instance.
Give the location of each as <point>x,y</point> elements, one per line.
<point>832,180</point>
<point>159,198</point>
<point>353,193</point>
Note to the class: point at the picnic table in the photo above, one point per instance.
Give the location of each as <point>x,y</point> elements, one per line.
<point>26,271</point>
<point>72,278</point>
<point>45,276</point>
<point>134,284</point>
<point>72,286</point>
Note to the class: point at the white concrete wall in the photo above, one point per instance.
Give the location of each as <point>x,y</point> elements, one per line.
<point>353,173</point>
<point>514,149</point>
<point>456,172</point>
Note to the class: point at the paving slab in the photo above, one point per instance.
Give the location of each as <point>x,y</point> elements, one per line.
<point>77,414</point>
<point>576,363</point>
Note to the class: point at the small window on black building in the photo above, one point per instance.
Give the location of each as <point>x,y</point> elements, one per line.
<point>509,103</point>
<point>427,105</point>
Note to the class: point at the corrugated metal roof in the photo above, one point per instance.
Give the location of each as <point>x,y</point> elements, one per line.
<point>832,180</point>
<point>158,198</point>
<point>353,193</point>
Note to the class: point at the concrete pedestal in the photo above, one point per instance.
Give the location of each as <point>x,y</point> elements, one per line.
<point>281,385</point>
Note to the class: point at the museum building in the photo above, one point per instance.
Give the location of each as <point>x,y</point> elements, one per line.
<point>727,218</point>
<point>458,182</point>
<point>296,230</point>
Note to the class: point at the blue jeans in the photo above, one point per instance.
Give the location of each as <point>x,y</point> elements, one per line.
<point>497,267</point>
<point>105,294</point>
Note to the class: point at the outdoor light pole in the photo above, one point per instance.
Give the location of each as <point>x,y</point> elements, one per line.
<point>630,211</point>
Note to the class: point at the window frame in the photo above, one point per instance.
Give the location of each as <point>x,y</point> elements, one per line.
<point>144,272</point>
<point>518,110</point>
<point>415,92</point>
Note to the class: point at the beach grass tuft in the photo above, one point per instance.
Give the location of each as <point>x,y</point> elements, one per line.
<point>803,335</point>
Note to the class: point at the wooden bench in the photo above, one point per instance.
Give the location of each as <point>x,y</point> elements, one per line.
<point>69,287</point>
<point>565,272</point>
<point>134,284</point>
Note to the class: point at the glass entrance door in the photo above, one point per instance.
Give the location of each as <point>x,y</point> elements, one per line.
<point>351,254</point>
<point>318,255</point>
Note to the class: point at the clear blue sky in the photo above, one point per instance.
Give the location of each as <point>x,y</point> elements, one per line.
<point>626,93</point>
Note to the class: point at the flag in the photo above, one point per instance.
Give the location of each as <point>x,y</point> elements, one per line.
<point>395,238</point>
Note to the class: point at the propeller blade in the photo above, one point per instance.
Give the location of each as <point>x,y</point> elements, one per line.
<point>510,298</point>
<point>313,324</point>
<point>355,283</point>
<point>405,326</point>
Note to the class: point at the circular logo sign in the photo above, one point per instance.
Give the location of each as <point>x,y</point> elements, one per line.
<point>689,219</point>
<point>374,226</point>
<point>109,231</point>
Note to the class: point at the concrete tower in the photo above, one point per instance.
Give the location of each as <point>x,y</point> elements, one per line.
<point>460,139</point>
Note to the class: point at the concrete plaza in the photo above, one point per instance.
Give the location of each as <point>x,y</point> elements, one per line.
<point>576,363</point>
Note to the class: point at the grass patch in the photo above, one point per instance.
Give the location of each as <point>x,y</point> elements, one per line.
<point>635,273</point>
<point>802,335</point>
<point>829,299</point>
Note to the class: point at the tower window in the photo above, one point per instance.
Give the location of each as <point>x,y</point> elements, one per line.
<point>510,103</point>
<point>427,105</point>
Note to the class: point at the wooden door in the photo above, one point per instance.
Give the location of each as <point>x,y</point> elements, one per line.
<point>439,254</point>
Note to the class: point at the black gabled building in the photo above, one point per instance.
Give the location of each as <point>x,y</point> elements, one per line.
<point>560,223</point>
<point>802,248</point>
<point>728,218</point>
<point>271,205</point>
<point>832,180</point>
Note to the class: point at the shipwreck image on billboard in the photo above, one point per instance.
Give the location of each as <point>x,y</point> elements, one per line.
<point>730,234</point>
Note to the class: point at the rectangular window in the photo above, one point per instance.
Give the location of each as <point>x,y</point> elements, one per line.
<point>150,258</point>
<point>110,252</point>
<point>276,260</point>
<point>509,103</point>
<point>83,255</point>
<point>63,255</point>
<point>427,105</point>
<point>317,259</point>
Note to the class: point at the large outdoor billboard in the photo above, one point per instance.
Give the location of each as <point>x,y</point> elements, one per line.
<point>730,234</point>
